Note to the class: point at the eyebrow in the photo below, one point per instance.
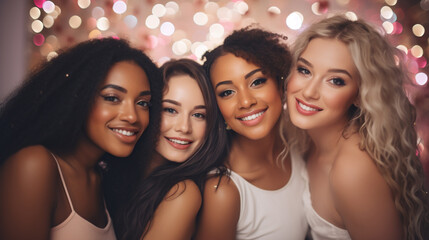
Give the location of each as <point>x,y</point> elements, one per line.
<point>331,70</point>
<point>179,104</point>
<point>249,74</point>
<point>121,89</point>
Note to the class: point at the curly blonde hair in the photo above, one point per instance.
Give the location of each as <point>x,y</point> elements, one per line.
<point>384,118</point>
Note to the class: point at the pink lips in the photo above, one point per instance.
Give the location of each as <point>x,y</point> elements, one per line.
<point>174,142</point>
<point>252,118</point>
<point>304,111</point>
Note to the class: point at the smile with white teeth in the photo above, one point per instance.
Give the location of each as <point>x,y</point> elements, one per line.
<point>253,116</point>
<point>124,132</point>
<point>307,108</point>
<point>178,141</point>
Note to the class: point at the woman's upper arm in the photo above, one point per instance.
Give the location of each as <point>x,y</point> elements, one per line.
<point>220,211</point>
<point>27,190</point>
<point>175,217</point>
<point>364,200</point>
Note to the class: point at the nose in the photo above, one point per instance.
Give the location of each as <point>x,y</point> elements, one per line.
<point>246,99</point>
<point>183,124</point>
<point>311,89</point>
<point>128,112</point>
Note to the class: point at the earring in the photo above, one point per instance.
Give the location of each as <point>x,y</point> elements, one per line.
<point>227,127</point>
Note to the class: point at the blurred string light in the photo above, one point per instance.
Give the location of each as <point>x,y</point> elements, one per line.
<point>84,4</point>
<point>130,21</point>
<point>391,2</point>
<point>48,6</point>
<point>421,78</point>
<point>75,21</point>
<point>417,51</point>
<point>35,13</point>
<point>274,10</point>
<point>200,18</point>
<point>167,28</point>
<point>418,30</point>
<point>152,21</point>
<point>103,24</point>
<point>119,7</point>
<point>97,12</point>
<point>159,10</point>
<point>294,20</point>
<point>37,26</point>
<point>48,21</point>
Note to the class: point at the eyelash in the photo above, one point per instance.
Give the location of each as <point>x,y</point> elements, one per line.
<point>225,93</point>
<point>258,81</point>
<point>110,98</point>
<point>341,82</point>
<point>200,115</point>
<point>303,70</point>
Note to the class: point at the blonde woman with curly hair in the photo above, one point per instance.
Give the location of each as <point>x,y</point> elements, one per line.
<point>346,91</point>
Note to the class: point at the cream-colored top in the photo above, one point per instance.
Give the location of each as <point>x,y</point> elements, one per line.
<point>320,228</point>
<point>77,227</point>
<point>272,215</point>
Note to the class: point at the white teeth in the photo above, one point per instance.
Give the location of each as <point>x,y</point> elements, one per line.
<point>178,141</point>
<point>251,117</point>
<point>124,132</point>
<point>307,108</point>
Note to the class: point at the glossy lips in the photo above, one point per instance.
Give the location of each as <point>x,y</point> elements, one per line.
<point>179,143</point>
<point>252,118</point>
<point>306,109</point>
<point>126,135</point>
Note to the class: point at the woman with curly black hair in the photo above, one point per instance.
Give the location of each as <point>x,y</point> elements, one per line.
<point>90,102</point>
<point>263,200</point>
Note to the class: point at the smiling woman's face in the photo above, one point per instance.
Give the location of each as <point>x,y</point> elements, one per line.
<point>120,112</point>
<point>249,100</point>
<point>183,124</point>
<point>323,85</point>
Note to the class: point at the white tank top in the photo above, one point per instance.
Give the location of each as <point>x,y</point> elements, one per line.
<point>272,214</point>
<point>320,228</point>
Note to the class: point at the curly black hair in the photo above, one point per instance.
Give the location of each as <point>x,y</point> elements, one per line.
<point>265,49</point>
<point>52,106</point>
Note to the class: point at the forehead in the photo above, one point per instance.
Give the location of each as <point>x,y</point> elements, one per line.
<point>229,67</point>
<point>183,87</point>
<point>330,53</point>
<point>127,74</point>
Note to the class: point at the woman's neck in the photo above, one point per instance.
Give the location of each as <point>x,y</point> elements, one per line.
<point>245,151</point>
<point>85,157</point>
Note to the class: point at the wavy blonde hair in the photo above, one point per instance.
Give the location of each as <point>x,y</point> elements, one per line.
<point>384,118</point>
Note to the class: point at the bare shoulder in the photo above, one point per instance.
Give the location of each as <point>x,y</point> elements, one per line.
<point>30,162</point>
<point>353,167</point>
<point>220,211</point>
<point>185,192</point>
<point>221,189</point>
<point>362,196</point>
<point>28,186</point>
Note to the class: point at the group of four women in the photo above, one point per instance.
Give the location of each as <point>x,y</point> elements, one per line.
<point>258,143</point>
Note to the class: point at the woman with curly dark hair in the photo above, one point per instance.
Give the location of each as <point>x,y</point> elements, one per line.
<point>190,144</point>
<point>264,198</point>
<point>90,102</point>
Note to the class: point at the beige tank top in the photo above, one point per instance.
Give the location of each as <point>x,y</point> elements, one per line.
<point>77,227</point>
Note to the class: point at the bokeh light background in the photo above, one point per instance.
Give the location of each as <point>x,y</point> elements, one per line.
<point>187,28</point>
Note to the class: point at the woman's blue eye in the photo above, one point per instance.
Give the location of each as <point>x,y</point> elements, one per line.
<point>199,115</point>
<point>225,93</point>
<point>338,81</point>
<point>258,81</point>
<point>303,70</point>
<point>169,110</point>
